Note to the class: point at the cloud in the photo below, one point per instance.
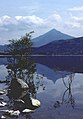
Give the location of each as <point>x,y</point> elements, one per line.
<point>20,23</point>
<point>77,19</point>
<point>7,20</point>
<point>12,27</point>
<point>3,29</point>
<point>30,19</point>
<point>75,22</point>
<point>8,23</point>
<point>71,24</point>
<point>55,17</point>
<point>76,8</point>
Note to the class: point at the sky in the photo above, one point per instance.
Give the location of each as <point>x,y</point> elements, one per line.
<point>18,17</point>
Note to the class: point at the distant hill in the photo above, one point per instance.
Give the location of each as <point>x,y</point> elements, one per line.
<point>50,36</point>
<point>62,47</point>
<point>54,43</point>
<point>3,48</point>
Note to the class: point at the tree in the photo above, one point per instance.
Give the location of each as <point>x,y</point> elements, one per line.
<point>21,46</point>
<point>20,65</point>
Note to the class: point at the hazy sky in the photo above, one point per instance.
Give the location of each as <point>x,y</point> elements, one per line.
<point>20,16</point>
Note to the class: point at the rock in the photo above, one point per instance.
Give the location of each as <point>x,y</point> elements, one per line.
<point>12,113</point>
<point>27,111</point>
<point>57,104</point>
<point>22,83</point>
<point>19,104</point>
<point>35,102</point>
<point>4,81</point>
<point>2,104</point>
<point>16,93</point>
<point>1,98</point>
<point>2,92</point>
<point>15,113</point>
<point>18,84</point>
<point>2,117</point>
<point>19,101</point>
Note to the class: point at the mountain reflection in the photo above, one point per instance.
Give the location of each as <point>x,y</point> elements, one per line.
<point>61,63</point>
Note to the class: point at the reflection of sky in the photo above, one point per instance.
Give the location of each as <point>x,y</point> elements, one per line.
<point>3,72</point>
<point>78,88</point>
<point>55,91</point>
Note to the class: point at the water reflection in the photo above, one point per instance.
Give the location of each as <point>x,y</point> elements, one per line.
<point>62,63</point>
<point>67,96</point>
<point>51,82</point>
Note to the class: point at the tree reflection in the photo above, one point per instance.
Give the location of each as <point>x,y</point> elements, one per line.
<point>67,97</point>
<point>24,69</point>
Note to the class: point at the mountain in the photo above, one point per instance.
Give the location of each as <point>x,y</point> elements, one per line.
<point>62,47</point>
<point>44,39</point>
<point>50,36</point>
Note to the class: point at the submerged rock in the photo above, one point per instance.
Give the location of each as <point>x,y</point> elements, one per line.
<point>3,117</point>
<point>19,101</point>
<point>57,104</point>
<point>35,102</point>
<point>12,113</point>
<point>27,111</point>
<point>2,92</point>
<point>2,104</point>
<point>4,81</point>
<point>1,98</point>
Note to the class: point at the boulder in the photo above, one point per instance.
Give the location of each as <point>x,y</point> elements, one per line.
<point>18,84</point>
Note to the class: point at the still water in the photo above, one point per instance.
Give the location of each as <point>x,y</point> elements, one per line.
<point>59,87</point>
